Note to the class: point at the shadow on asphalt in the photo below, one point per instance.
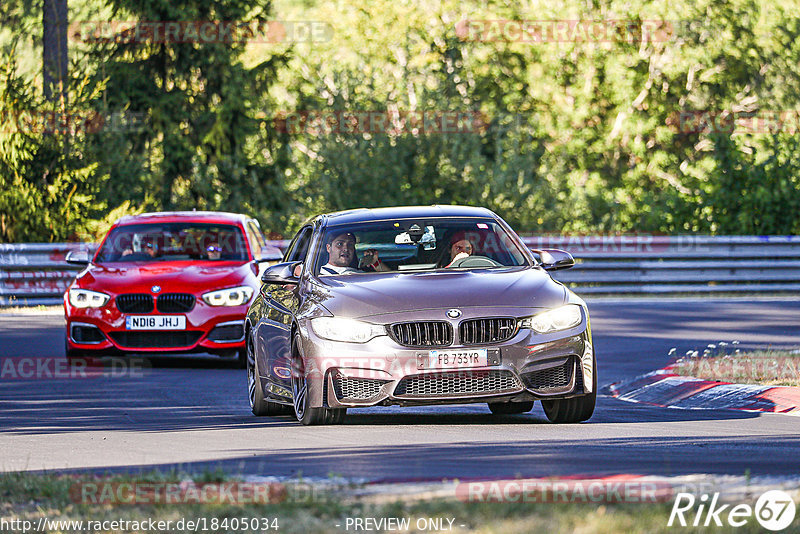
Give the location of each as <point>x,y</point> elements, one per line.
<point>668,456</point>
<point>161,402</point>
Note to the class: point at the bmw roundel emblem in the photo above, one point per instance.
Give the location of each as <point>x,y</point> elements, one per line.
<point>155,289</point>
<point>454,313</point>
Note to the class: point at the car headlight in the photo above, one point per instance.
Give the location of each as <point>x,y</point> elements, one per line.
<point>349,330</point>
<point>560,318</point>
<point>233,296</point>
<point>83,298</point>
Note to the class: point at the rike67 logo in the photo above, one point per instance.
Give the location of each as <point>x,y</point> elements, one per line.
<point>774,510</point>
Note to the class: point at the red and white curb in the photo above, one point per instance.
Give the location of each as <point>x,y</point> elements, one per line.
<point>622,488</point>
<point>666,388</point>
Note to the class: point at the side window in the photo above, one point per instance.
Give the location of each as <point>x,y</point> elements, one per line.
<point>299,247</point>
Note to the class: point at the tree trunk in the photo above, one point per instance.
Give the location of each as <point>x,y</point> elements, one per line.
<point>54,57</point>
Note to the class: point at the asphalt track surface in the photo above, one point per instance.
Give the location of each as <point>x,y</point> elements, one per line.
<point>192,414</point>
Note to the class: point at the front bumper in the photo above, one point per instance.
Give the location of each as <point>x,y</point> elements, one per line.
<point>216,330</point>
<point>528,366</point>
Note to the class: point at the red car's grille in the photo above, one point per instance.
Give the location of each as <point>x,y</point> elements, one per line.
<point>135,303</point>
<point>490,330</point>
<point>155,340</point>
<point>175,302</point>
<point>423,334</point>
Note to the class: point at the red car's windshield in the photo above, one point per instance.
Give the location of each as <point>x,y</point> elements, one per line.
<point>173,241</point>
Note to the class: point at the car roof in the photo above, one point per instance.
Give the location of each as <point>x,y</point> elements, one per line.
<point>213,217</point>
<point>404,212</point>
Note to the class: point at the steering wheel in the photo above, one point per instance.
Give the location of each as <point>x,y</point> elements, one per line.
<point>475,261</point>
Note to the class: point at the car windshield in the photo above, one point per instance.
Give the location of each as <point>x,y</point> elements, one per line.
<point>154,242</point>
<point>416,245</point>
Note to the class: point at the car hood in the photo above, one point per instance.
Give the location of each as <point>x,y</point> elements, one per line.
<point>179,276</point>
<point>365,295</point>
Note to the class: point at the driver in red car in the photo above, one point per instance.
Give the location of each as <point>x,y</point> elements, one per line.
<point>149,247</point>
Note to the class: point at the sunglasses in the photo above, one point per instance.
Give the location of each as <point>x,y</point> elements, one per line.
<point>213,248</point>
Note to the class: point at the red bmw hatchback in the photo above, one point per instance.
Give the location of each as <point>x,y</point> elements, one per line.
<point>176,282</point>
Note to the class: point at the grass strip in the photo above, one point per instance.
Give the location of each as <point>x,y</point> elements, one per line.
<point>303,508</point>
<point>762,367</point>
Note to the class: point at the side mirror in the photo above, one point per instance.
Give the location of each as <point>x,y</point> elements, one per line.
<point>554,259</point>
<point>281,273</point>
<point>77,257</point>
<point>270,253</point>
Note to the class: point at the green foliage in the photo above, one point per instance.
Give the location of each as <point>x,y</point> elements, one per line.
<point>200,145</point>
<point>583,136</point>
<point>575,136</point>
<point>49,191</point>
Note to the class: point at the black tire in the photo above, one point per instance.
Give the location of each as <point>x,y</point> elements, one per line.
<point>336,416</point>
<point>241,358</point>
<point>574,410</point>
<point>82,360</point>
<point>75,357</point>
<point>259,405</point>
<point>510,408</point>
<point>305,413</point>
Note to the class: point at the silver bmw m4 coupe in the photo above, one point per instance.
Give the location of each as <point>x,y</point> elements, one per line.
<point>417,306</point>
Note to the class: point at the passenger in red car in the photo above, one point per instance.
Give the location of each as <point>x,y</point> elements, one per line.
<point>213,251</point>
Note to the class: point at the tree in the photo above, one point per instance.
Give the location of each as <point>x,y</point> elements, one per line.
<point>49,190</point>
<point>201,145</point>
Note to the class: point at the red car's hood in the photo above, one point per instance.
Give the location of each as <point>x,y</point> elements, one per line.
<point>364,295</point>
<point>178,276</point>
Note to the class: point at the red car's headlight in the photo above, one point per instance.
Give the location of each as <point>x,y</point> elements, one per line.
<point>84,298</point>
<point>234,296</point>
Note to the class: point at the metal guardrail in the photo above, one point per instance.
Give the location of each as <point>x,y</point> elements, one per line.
<point>32,274</point>
<point>678,264</point>
<point>36,273</point>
